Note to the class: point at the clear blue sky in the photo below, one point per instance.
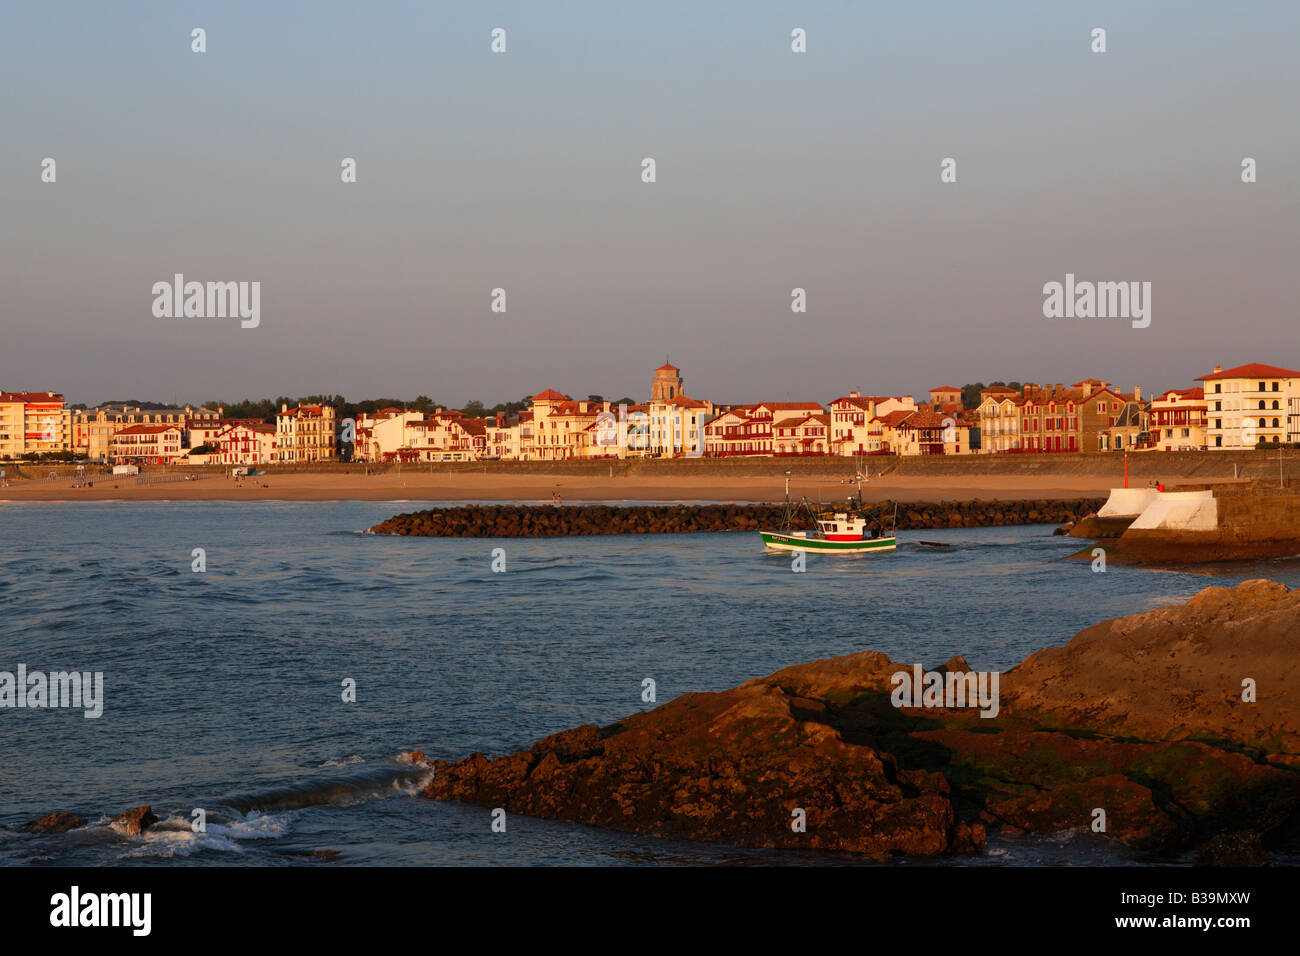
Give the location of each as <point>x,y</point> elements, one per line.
<point>522,171</point>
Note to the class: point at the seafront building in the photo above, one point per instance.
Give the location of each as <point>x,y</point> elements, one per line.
<point>158,444</point>
<point>245,443</point>
<point>305,434</point>
<point>1239,407</point>
<point>93,429</point>
<point>1178,420</point>
<point>1049,418</point>
<point>33,423</point>
<point>1251,404</point>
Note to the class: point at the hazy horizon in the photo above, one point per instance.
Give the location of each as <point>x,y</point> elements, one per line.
<point>522,171</point>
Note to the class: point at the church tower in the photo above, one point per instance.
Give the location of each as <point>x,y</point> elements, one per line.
<point>667,383</point>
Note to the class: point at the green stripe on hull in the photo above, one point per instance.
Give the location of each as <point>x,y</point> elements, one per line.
<point>785,542</point>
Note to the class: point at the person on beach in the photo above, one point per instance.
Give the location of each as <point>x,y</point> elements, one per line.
<point>1160,486</point>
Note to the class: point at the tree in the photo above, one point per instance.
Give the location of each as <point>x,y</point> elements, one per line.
<point>970,395</point>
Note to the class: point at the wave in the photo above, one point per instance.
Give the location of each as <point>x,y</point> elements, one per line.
<point>174,836</point>
<point>337,788</point>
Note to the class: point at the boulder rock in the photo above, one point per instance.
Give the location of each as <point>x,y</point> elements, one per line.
<point>136,820</point>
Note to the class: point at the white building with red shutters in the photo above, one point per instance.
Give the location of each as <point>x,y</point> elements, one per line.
<point>748,430</point>
<point>146,444</point>
<point>245,443</point>
<point>1178,420</point>
<point>801,435</point>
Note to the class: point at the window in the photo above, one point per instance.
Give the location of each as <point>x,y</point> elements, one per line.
<point>1218,387</point>
<point>1275,426</point>
<point>1261,403</point>
<point>1275,386</point>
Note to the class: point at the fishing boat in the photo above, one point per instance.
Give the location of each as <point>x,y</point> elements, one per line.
<point>835,531</point>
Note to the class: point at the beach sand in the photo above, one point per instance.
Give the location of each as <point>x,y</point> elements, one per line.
<point>415,485</point>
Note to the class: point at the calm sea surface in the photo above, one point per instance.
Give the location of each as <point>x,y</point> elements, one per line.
<point>223,688</point>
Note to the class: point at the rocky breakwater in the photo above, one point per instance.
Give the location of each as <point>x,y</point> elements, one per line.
<point>533,521</point>
<point>1150,719</point>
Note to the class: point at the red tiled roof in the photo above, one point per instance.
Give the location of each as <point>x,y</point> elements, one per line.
<point>850,400</point>
<point>787,406</point>
<point>924,420</point>
<point>148,429</point>
<point>570,407</point>
<point>551,395</point>
<point>893,418</point>
<point>32,398</point>
<point>945,388</point>
<point>1187,393</point>
<point>667,367</point>
<point>1253,370</point>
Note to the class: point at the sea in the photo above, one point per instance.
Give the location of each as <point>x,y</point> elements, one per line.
<point>267,664</point>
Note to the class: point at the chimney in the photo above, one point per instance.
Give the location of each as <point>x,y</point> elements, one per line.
<point>1137,392</point>
<point>854,394</point>
<point>283,407</point>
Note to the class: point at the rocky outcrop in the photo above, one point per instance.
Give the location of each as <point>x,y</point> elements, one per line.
<point>1179,672</point>
<point>59,822</point>
<point>1141,718</point>
<point>533,521</point>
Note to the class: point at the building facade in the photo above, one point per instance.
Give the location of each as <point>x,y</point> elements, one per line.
<point>305,434</point>
<point>34,423</point>
<point>1178,420</point>
<point>1251,405</point>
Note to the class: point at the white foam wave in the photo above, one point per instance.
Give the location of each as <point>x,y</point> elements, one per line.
<point>343,761</point>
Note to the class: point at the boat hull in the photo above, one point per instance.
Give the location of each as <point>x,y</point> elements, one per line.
<point>776,541</point>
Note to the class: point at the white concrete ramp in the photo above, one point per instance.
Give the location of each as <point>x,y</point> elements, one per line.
<point>1127,502</point>
<point>1179,511</point>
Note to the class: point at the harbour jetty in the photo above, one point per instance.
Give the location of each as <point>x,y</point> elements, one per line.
<point>1172,729</point>
<point>1197,523</point>
<point>536,521</point>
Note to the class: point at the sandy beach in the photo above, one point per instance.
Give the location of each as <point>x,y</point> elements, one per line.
<point>463,486</point>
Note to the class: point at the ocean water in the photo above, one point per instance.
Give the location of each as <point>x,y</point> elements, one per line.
<point>223,689</point>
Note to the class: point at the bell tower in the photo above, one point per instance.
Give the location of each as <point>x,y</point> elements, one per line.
<point>667,383</point>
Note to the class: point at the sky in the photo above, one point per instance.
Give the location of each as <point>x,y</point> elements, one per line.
<point>775,170</point>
